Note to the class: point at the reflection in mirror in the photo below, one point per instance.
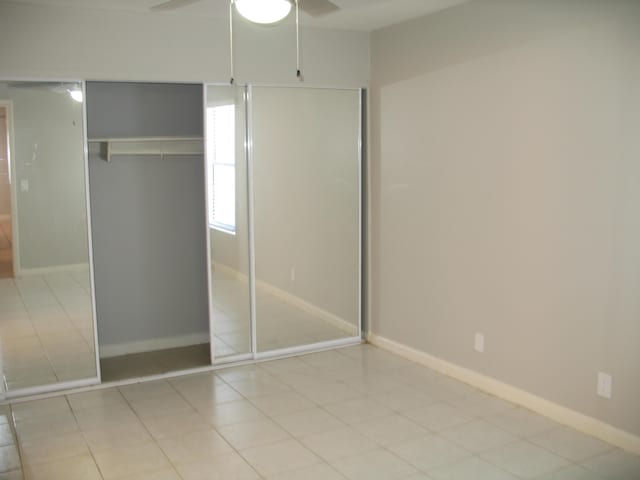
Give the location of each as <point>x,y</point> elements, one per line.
<point>305,147</point>
<point>227,220</point>
<point>46,322</point>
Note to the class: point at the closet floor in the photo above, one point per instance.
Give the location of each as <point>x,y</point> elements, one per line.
<point>154,363</point>
<point>6,251</point>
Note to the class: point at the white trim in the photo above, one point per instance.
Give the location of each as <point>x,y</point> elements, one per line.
<point>205,165</point>
<point>559,413</point>
<point>149,345</point>
<point>76,267</point>
<point>297,302</point>
<point>28,393</point>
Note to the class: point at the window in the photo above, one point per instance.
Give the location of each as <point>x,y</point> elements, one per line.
<point>221,171</point>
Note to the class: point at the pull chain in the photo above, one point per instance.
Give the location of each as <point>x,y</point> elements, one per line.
<point>298,70</point>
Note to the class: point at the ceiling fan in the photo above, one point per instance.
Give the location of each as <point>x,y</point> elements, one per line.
<point>263,12</point>
<point>314,8</point>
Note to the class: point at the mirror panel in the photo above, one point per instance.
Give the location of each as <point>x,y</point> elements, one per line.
<point>46,320</point>
<point>306,170</point>
<point>227,221</point>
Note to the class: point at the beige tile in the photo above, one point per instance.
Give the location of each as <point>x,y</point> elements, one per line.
<point>49,449</point>
<point>252,434</point>
<point>438,416</point>
<point>282,403</point>
<point>75,468</point>
<point>194,446</point>
<point>390,429</point>
<point>279,457</point>
<point>615,465</point>
<point>524,459</point>
<point>46,426</point>
<point>308,422</point>
<point>222,467</point>
<point>336,444</point>
<point>172,425</point>
<point>522,422</point>
<point>164,474</point>
<point>428,452</point>
<point>358,410</point>
<point>108,415</point>
<point>140,391</point>
<point>321,471</point>
<point>169,404</point>
<point>117,435</point>
<point>128,460</point>
<point>374,465</point>
<point>95,399</point>
<point>13,475</point>
<point>230,412</point>
<point>571,444</point>
<point>38,408</point>
<point>478,436</point>
<point>403,398</point>
<point>470,468</point>
<point>324,393</point>
<point>573,472</point>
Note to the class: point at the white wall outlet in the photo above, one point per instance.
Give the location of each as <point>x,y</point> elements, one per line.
<point>605,383</point>
<point>293,274</point>
<point>479,342</point>
<point>24,185</point>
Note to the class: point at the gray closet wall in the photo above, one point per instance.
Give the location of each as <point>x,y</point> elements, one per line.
<point>148,217</point>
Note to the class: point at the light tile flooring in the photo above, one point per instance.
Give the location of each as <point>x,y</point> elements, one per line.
<point>355,413</point>
<point>46,329</point>
<point>280,323</point>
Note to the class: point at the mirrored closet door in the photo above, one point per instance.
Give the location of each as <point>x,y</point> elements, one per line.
<point>47,338</point>
<point>227,221</point>
<point>284,191</point>
<point>306,184</point>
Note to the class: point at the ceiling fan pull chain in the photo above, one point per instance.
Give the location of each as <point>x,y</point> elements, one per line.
<point>298,71</point>
<point>231,41</point>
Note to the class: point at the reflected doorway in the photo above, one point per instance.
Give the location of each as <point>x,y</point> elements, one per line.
<point>6,236</point>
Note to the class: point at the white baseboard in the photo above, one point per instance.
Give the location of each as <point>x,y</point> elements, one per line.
<point>117,349</point>
<point>559,413</point>
<point>310,308</point>
<point>77,267</point>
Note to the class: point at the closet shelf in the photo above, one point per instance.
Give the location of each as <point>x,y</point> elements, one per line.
<point>162,146</point>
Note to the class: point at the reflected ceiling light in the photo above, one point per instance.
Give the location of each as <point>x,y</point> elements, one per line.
<point>263,11</point>
<point>77,95</point>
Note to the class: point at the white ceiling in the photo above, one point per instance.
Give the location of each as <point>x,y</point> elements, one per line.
<point>364,15</point>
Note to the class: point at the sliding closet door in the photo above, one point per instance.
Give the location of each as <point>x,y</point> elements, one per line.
<point>227,222</point>
<point>306,181</point>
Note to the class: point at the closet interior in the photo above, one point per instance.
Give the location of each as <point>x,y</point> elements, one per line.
<point>224,226</point>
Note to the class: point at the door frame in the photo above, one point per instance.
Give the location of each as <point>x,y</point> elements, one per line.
<point>15,244</point>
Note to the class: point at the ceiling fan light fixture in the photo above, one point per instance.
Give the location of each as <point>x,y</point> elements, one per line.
<point>263,11</point>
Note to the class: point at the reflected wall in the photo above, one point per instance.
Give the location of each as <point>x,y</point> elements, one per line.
<point>306,181</point>
<point>46,321</point>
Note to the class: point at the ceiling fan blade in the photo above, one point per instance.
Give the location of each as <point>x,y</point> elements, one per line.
<point>317,8</point>
<point>172,5</point>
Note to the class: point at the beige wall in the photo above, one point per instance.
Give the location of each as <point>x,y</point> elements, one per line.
<point>506,194</point>
<point>60,42</point>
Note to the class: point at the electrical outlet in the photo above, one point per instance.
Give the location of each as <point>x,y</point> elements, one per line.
<point>605,383</point>
<point>479,342</point>
<point>293,274</point>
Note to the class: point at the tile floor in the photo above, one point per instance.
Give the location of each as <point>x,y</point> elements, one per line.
<point>46,329</point>
<point>356,413</point>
